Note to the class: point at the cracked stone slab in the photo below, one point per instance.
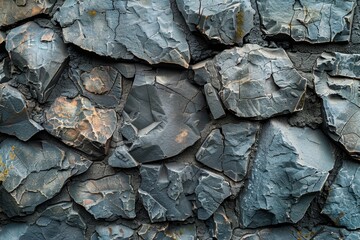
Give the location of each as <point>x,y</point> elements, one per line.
<point>15,119</point>
<point>290,167</point>
<point>166,191</point>
<point>225,21</point>
<point>255,82</point>
<point>113,232</point>
<point>228,149</point>
<point>81,125</point>
<point>312,21</point>
<point>121,158</point>
<point>167,231</point>
<point>213,101</point>
<point>108,198</point>
<point>40,54</point>
<point>33,172</point>
<point>124,29</point>
<point>163,115</point>
<point>337,83</point>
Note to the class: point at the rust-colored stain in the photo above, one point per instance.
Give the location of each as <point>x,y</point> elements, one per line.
<point>180,138</point>
<point>92,13</point>
<point>87,202</point>
<point>239,24</point>
<point>12,155</point>
<point>47,37</point>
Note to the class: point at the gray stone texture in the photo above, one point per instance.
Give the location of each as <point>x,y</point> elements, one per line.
<point>121,158</point>
<point>2,37</point>
<point>167,232</point>
<point>113,232</point>
<point>213,101</point>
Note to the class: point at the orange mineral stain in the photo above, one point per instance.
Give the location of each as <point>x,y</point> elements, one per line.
<point>180,138</point>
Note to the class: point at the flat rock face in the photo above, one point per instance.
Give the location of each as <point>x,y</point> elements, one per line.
<point>162,115</point>
<point>40,55</point>
<point>256,82</point>
<point>125,29</point>
<point>290,168</point>
<point>228,150</point>
<point>121,158</point>
<point>34,172</point>
<point>81,125</point>
<point>113,232</point>
<point>312,21</point>
<point>165,191</point>
<point>337,83</point>
<point>109,197</point>
<point>213,101</point>
<point>15,118</point>
<point>15,10</point>
<point>225,21</point>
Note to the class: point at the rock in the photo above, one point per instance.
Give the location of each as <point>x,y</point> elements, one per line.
<point>40,55</point>
<point>205,72</point>
<point>34,172</point>
<point>165,191</point>
<point>14,11</point>
<point>14,114</point>
<point>121,158</point>
<point>81,125</point>
<point>290,167</point>
<point>221,225</point>
<point>213,101</point>
<point>109,197</point>
<point>257,82</point>
<point>343,199</point>
<point>228,150</point>
<point>113,232</point>
<point>163,115</point>
<point>149,33</point>
<point>225,21</point>
<point>168,232</point>
<point>307,20</point>
<point>337,83</point>
<point>2,37</point>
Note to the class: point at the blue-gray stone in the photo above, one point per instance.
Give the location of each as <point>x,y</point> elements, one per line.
<point>168,232</point>
<point>113,232</point>
<point>221,225</point>
<point>121,158</point>
<point>213,101</point>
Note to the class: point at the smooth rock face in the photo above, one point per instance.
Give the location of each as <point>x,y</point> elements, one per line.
<point>110,197</point>
<point>257,82</point>
<point>337,83</point>
<point>112,232</point>
<point>162,115</point>
<point>124,29</point>
<point>14,118</point>
<point>40,55</point>
<point>228,150</point>
<point>290,168</point>
<point>342,203</point>
<point>14,11</point>
<point>34,172</point>
<point>121,158</point>
<point>312,21</point>
<point>213,101</point>
<point>165,191</point>
<point>225,21</point>
<point>81,125</point>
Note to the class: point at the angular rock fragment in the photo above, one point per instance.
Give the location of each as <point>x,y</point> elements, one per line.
<point>166,191</point>
<point>336,80</point>
<point>290,167</point>
<point>255,82</point>
<point>312,21</point>
<point>213,101</point>
<point>168,231</point>
<point>124,29</point>
<point>81,125</point>
<point>34,172</point>
<point>121,158</point>
<point>14,11</point>
<point>228,149</point>
<point>221,225</point>
<point>225,21</point>
<point>109,197</point>
<point>14,117</point>
<point>2,37</point>
<point>40,55</point>
<point>113,232</point>
<point>163,115</point>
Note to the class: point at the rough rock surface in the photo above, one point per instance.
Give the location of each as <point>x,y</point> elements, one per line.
<point>225,21</point>
<point>113,232</point>
<point>167,231</point>
<point>40,54</point>
<point>81,125</point>
<point>34,172</point>
<point>2,37</point>
<point>290,168</point>
<point>312,21</point>
<point>124,29</point>
<point>121,158</point>
<point>213,101</point>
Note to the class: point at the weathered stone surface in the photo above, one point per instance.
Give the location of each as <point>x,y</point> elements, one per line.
<point>228,150</point>
<point>337,83</point>
<point>2,37</point>
<point>167,232</point>
<point>163,115</point>
<point>256,82</point>
<point>290,167</point>
<point>121,158</point>
<point>14,11</point>
<point>113,232</point>
<point>342,203</point>
<point>34,172</point>
<point>213,101</point>
<point>109,197</point>
<point>221,225</point>
<point>165,191</point>
<point>40,55</point>
<point>14,116</point>
<point>81,125</point>
<point>225,21</point>
<point>125,29</point>
<point>312,21</point>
